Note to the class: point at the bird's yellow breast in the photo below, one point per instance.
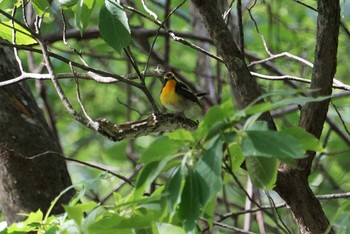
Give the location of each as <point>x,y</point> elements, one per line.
<point>170,99</point>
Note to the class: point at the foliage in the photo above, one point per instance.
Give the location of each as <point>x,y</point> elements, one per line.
<point>185,176</point>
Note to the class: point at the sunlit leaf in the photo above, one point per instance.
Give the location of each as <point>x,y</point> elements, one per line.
<point>167,228</point>
<point>22,35</point>
<point>181,135</point>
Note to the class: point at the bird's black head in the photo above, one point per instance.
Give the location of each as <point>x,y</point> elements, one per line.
<point>169,76</point>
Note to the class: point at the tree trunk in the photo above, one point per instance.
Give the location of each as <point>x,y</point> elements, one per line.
<point>292,184</point>
<point>31,174</point>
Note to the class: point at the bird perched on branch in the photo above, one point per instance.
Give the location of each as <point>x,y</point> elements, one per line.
<point>176,96</point>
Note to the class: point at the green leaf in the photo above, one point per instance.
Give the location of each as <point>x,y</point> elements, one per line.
<point>92,218</point>
<point>116,223</point>
<point>271,144</point>
<point>214,114</point>
<point>218,128</point>
<point>307,140</point>
<point>67,3</point>
<point>173,191</point>
<point>236,155</point>
<point>181,135</point>
<point>189,208</point>
<point>209,212</point>
<point>77,212</point>
<point>83,12</point>
<point>147,175</point>
<point>113,25</point>
<point>159,149</point>
<point>22,35</point>
<point>41,7</point>
<point>262,171</point>
<point>167,228</point>
<point>208,171</point>
<point>258,108</point>
<point>33,220</point>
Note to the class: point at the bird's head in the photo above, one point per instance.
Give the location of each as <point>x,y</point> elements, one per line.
<point>169,76</point>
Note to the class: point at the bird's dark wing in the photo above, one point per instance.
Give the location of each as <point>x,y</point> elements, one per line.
<point>186,92</point>
<point>201,94</point>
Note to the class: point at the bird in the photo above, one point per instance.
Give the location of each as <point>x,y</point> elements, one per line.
<point>176,96</point>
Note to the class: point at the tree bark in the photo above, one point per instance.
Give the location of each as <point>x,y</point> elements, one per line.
<point>30,177</point>
<point>292,184</point>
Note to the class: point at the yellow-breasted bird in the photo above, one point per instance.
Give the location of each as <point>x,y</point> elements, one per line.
<point>176,96</point>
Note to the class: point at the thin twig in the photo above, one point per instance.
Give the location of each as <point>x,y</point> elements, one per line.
<point>79,97</point>
<point>341,118</point>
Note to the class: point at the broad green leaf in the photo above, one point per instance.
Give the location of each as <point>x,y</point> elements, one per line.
<point>113,25</point>
<point>22,35</point>
<point>76,212</point>
<point>189,208</point>
<point>139,219</point>
<point>41,7</point>
<point>262,171</point>
<point>253,124</point>
<point>83,12</point>
<point>271,144</point>
<point>236,155</point>
<point>216,120</point>
<point>181,135</point>
<point>307,140</point>
<point>208,171</point>
<point>214,114</point>
<point>159,149</point>
<point>147,175</point>
<point>173,191</point>
<point>167,228</point>
<point>218,128</point>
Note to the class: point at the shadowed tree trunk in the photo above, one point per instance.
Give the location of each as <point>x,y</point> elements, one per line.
<point>31,175</point>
